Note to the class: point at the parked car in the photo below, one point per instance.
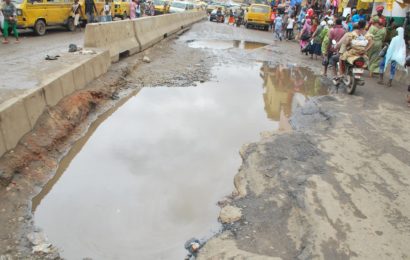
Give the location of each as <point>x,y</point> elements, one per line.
<point>179,7</point>
<point>258,15</point>
<point>161,6</point>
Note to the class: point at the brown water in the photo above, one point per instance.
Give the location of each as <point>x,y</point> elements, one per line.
<point>150,175</point>
<point>222,45</point>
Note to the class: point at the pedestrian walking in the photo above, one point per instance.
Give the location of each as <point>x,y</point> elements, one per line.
<point>90,8</point>
<point>76,12</point>
<point>138,9</point>
<point>152,8</point>
<point>305,34</point>
<point>395,56</point>
<point>378,33</point>
<point>133,9</point>
<point>231,17</point>
<point>289,28</point>
<point>278,26</point>
<point>10,20</point>
<point>106,12</point>
<point>317,40</point>
<point>301,18</point>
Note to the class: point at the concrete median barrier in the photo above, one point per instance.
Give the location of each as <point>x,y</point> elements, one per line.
<point>132,36</point>
<point>118,37</point>
<point>19,115</point>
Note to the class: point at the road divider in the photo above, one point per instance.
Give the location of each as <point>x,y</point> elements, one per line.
<point>131,36</point>
<point>72,72</point>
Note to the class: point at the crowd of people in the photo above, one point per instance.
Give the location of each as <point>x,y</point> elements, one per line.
<point>338,39</point>
<point>137,8</point>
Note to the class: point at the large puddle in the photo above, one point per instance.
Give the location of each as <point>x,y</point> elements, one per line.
<point>150,175</point>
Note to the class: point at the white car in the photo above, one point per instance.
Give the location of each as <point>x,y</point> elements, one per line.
<point>179,7</point>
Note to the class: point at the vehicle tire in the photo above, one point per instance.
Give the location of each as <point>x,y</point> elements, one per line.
<point>124,16</point>
<point>247,26</point>
<point>40,27</point>
<point>351,87</point>
<point>70,24</point>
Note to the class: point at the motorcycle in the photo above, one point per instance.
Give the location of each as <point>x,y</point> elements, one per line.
<point>220,18</point>
<point>239,21</point>
<point>353,75</point>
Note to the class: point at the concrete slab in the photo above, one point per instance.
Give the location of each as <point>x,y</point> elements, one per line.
<point>34,103</point>
<point>53,92</point>
<point>14,122</point>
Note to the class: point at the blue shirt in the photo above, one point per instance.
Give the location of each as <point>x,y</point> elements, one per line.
<point>278,23</point>
<point>357,17</point>
<point>302,16</point>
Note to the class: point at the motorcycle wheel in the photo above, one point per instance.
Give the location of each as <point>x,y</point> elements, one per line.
<point>351,86</point>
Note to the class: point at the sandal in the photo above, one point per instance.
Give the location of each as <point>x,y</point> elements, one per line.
<point>5,41</point>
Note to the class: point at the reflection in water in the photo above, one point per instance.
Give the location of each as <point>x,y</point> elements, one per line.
<point>75,149</point>
<point>286,88</point>
<point>150,175</point>
<point>222,45</point>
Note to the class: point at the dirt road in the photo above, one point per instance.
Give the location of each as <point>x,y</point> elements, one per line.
<point>21,61</point>
<point>332,183</point>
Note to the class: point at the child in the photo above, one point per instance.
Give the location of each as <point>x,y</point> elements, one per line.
<point>106,12</point>
<point>289,27</point>
<point>10,19</point>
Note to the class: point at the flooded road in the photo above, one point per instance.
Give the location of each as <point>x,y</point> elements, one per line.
<point>150,175</point>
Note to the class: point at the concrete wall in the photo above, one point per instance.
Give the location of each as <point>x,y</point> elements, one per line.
<point>19,115</point>
<point>132,36</point>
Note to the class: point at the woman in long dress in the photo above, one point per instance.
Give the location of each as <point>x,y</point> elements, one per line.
<point>378,33</point>
<point>306,31</point>
<point>133,8</point>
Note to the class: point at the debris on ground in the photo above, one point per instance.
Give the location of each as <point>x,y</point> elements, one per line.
<point>146,59</point>
<point>192,245</point>
<point>52,57</point>
<point>230,214</point>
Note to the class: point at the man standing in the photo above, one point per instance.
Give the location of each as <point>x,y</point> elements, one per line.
<point>89,10</point>
<point>10,20</point>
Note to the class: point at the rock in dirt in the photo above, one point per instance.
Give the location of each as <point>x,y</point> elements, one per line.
<point>146,59</point>
<point>230,214</point>
<point>37,238</point>
<point>43,248</point>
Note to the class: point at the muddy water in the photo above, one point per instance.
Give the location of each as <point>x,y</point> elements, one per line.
<point>149,177</point>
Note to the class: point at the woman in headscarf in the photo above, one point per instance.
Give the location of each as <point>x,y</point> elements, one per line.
<point>304,35</point>
<point>396,55</point>
<point>378,33</point>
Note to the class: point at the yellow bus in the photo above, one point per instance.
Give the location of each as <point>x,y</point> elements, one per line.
<point>121,9</point>
<point>40,14</point>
